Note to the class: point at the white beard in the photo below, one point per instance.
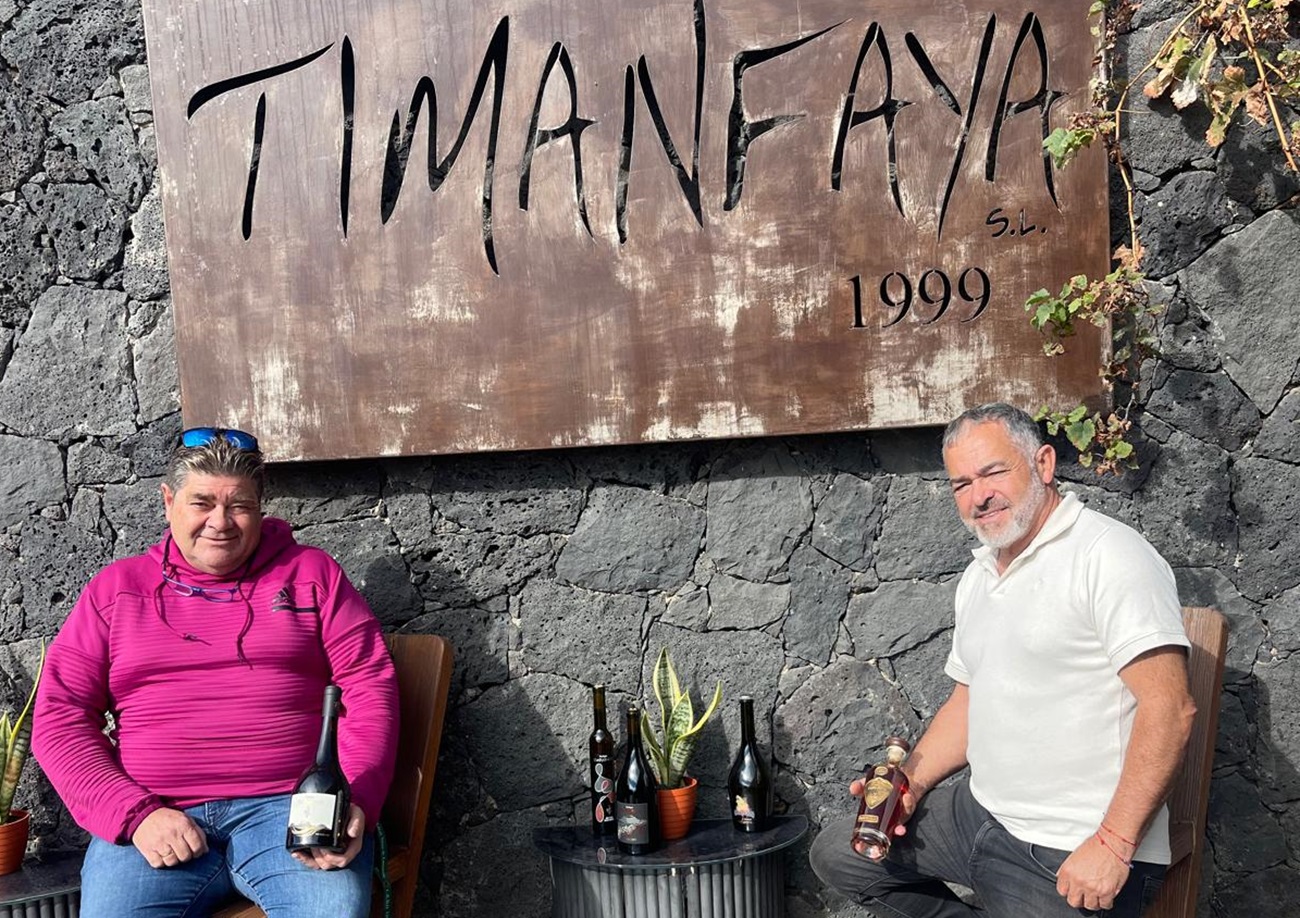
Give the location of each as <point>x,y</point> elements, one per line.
<point>1015,528</point>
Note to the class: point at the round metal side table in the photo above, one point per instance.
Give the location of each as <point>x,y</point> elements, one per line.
<point>714,872</point>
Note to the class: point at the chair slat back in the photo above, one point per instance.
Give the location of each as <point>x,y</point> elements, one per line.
<point>1208,632</point>
<point>423,663</point>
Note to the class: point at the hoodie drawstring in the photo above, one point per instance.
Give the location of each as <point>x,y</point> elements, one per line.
<point>238,590</point>
<point>248,622</point>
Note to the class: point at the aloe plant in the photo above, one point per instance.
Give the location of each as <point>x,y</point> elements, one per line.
<point>671,747</point>
<point>15,744</point>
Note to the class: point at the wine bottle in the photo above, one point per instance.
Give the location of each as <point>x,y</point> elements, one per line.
<point>318,809</point>
<point>636,805</point>
<point>601,750</point>
<point>879,812</point>
<point>749,785</point>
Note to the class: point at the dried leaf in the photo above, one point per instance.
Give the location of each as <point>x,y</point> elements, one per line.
<point>1188,91</point>
<point>1172,65</point>
<point>1202,69</point>
<point>1128,258</point>
<point>1257,104</point>
<point>1158,85</point>
<point>1218,128</point>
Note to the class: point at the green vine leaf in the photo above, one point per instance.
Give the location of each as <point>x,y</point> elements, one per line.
<point>1081,434</point>
<point>1225,97</point>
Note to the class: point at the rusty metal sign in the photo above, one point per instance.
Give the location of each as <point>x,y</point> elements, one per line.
<point>412,226</point>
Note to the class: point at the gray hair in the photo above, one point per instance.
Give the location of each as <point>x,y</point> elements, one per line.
<point>219,457</point>
<point>1020,427</point>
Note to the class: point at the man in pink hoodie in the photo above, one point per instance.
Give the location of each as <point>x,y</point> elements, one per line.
<point>208,656</point>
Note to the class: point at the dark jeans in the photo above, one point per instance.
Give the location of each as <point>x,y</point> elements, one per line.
<point>951,837</point>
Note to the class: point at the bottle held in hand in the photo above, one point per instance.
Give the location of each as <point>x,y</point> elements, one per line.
<point>636,801</point>
<point>749,785</point>
<point>879,811</point>
<point>601,748</point>
<point>318,809</point>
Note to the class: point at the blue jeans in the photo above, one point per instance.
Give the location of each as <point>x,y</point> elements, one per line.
<point>951,837</point>
<point>246,855</point>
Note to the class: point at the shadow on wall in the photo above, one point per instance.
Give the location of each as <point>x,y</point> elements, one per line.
<point>514,748</point>
<point>830,728</point>
<point>51,826</point>
<point>1256,784</point>
<point>506,761</point>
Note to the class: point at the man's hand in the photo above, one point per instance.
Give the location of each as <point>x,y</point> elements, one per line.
<point>322,859</point>
<point>168,837</point>
<point>1092,875</point>
<point>908,802</point>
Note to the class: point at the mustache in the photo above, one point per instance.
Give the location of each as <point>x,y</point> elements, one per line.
<point>991,505</point>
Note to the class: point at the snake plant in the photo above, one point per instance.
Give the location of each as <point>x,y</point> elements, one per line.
<point>671,747</point>
<point>15,744</point>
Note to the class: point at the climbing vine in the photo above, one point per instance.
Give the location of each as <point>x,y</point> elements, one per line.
<point>1231,57</point>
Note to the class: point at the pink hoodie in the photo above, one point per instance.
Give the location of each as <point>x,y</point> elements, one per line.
<point>212,699</point>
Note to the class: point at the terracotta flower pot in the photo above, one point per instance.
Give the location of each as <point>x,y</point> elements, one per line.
<point>13,841</point>
<point>676,809</point>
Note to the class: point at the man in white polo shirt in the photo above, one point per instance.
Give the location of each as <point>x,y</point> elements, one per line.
<point>1070,706</point>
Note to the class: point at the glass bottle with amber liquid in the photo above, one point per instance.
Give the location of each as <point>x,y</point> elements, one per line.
<point>601,748</point>
<point>879,811</point>
<point>636,795</point>
<point>749,785</point>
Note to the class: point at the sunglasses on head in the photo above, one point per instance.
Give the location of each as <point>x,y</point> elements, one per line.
<point>202,436</point>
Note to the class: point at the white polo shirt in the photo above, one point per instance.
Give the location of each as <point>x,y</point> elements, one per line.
<point>1040,648</point>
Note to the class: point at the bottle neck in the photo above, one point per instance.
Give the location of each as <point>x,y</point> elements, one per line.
<point>327,748</point>
<point>633,729</point>
<point>746,720</point>
<point>598,707</point>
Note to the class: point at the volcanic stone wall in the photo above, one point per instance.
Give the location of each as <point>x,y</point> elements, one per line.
<point>816,573</point>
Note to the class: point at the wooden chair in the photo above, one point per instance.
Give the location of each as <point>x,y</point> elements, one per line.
<point>1208,632</point>
<point>423,663</point>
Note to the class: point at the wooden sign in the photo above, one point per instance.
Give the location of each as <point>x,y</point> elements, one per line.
<point>411,226</point>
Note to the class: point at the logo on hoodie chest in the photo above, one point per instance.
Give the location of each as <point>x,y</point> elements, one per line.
<point>297,598</point>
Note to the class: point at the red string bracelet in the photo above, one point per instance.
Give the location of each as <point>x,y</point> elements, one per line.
<point>1131,844</point>
<point>1128,864</point>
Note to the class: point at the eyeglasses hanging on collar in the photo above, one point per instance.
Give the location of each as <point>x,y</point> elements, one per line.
<point>181,588</point>
<point>211,594</point>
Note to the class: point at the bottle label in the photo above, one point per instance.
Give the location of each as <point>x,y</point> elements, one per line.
<point>878,791</point>
<point>311,814</point>
<point>634,823</point>
<point>602,788</point>
<point>742,808</point>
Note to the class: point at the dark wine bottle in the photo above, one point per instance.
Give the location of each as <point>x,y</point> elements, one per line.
<point>318,809</point>
<point>601,749</point>
<point>749,786</point>
<point>636,800</point>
